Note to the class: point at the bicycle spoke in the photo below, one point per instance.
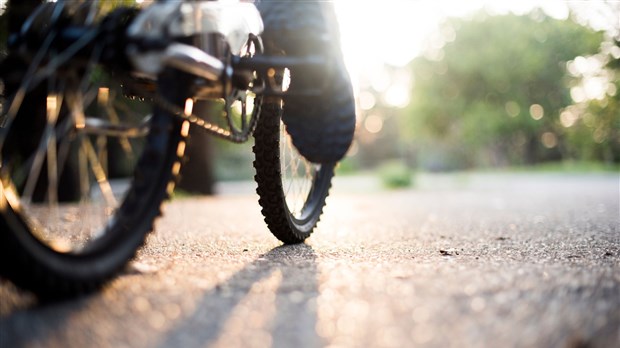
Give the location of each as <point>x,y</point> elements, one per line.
<point>52,171</point>
<point>113,117</point>
<point>297,173</point>
<point>98,171</point>
<point>64,56</point>
<point>53,109</point>
<point>92,12</point>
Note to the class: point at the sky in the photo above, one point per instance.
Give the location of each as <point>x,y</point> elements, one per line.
<point>395,31</point>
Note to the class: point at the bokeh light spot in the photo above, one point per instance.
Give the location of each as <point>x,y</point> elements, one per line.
<point>568,118</point>
<point>367,100</point>
<point>536,111</point>
<point>512,109</point>
<point>549,140</point>
<point>373,124</point>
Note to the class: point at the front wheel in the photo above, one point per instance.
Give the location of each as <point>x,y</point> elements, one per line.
<point>292,190</point>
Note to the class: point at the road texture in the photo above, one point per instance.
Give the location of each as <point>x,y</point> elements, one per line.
<point>460,261</point>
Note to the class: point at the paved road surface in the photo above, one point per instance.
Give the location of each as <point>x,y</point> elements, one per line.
<point>474,260</point>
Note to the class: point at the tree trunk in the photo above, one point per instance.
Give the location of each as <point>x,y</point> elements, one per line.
<point>197,175</point>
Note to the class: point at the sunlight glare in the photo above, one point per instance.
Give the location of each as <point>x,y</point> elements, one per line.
<point>391,33</point>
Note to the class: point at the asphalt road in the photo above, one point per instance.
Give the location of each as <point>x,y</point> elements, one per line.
<point>473,260</point>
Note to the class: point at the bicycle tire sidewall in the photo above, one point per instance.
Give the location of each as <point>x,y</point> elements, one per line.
<point>272,198</point>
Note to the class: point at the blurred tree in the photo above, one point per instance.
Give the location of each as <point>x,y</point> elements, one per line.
<point>197,173</point>
<point>593,125</point>
<point>594,131</point>
<point>494,93</point>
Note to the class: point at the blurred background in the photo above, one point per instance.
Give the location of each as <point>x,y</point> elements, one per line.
<point>451,85</point>
<point>448,86</point>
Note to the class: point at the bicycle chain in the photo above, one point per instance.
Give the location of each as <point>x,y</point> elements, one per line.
<point>230,134</point>
<point>212,128</point>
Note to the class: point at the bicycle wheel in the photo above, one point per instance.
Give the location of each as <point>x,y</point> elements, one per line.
<point>292,190</point>
<point>83,170</point>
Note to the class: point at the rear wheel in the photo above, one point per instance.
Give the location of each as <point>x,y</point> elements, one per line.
<point>83,171</point>
<point>292,190</point>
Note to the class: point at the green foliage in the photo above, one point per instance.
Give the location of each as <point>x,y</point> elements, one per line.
<point>474,103</point>
<point>347,167</point>
<point>395,174</point>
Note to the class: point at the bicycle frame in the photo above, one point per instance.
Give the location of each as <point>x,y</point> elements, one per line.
<point>207,21</point>
<point>202,38</point>
<point>84,169</point>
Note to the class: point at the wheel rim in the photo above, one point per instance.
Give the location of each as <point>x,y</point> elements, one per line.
<point>298,177</point>
<point>60,127</point>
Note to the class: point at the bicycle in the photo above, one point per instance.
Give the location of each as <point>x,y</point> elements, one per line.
<point>97,107</point>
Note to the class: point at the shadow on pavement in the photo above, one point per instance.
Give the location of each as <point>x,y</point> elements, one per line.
<point>295,304</point>
<point>20,311</point>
